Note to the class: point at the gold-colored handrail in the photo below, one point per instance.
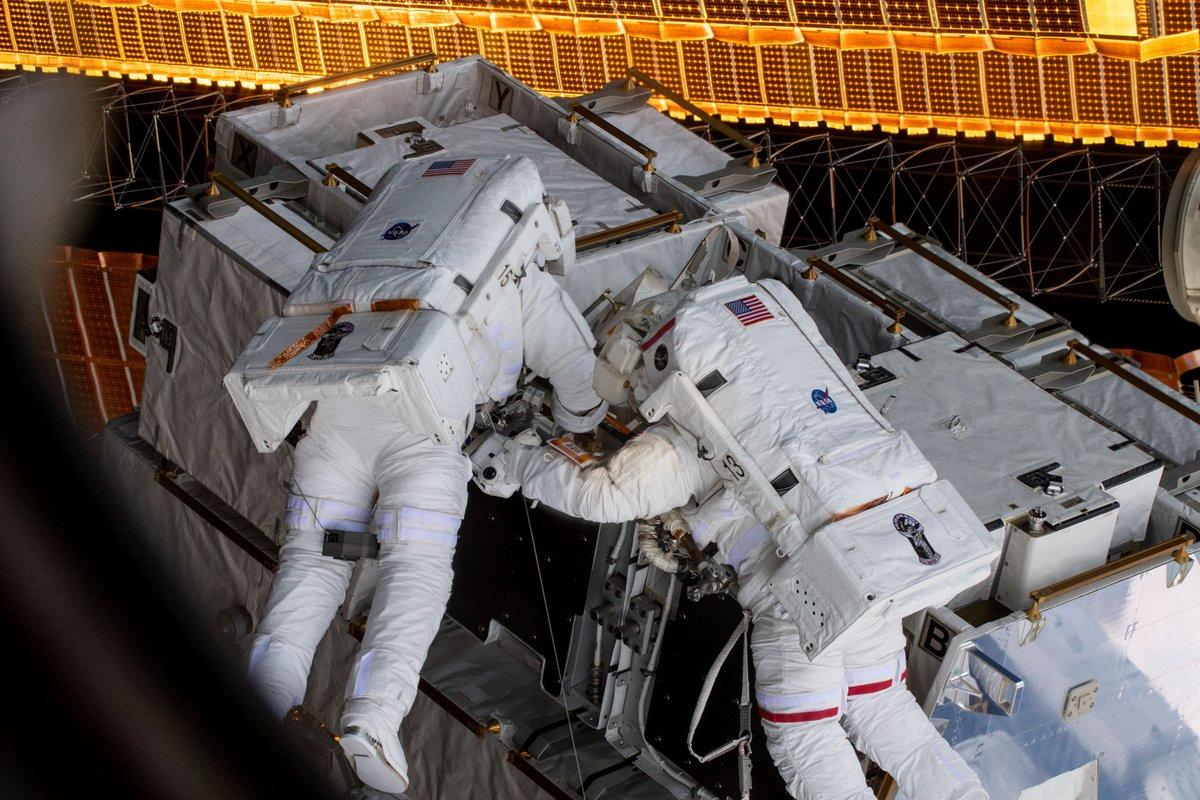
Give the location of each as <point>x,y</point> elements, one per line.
<point>875,224</point>
<point>259,206</point>
<point>886,306</point>
<point>669,220</point>
<point>283,95</point>
<point>1177,547</point>
<point>335,174</point>
<point>1113,366</point>
<point>591,116</point>
<point>635,76</point>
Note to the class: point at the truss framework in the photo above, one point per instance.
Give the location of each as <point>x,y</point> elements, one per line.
<point>1073,220</point>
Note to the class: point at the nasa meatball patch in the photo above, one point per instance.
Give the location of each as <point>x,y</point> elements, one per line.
<point>822,400</point>
<point>399,230</point>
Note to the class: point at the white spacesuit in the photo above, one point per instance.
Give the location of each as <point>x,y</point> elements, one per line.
<point>836,524</point>
<point>438,296</point>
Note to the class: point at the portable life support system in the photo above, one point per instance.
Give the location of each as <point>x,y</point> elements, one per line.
<point>416,300</point>
<point>857,516</point>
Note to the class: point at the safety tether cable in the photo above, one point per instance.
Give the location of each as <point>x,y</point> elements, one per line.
<point>710,680</point>
<point>562,688</point>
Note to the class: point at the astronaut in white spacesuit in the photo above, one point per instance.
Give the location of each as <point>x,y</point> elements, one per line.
<point>443,272</point>
<point>835,523</point>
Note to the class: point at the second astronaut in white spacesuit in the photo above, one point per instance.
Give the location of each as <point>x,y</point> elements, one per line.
<point>770,396</point>
<point>441,278</point>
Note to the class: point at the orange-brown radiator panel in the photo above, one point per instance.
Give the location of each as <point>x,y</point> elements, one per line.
<point>87,299</point>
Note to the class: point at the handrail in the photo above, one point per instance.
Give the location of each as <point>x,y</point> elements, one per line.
<point>258,205</point>
<point>815,262</point>
<point>335,173</point>
<point>283,95</point>
<point>1137,381</point>
<point>591,116</point>
<point>1177,547</point>
<point>635,75</point>
<point>669,219</point>
<point>875,224</point>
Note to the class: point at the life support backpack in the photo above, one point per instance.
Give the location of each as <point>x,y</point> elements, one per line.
<point>419,300</point>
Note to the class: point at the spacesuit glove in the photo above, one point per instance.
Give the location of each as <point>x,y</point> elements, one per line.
<point>496,461</point>
<point>582,422</point>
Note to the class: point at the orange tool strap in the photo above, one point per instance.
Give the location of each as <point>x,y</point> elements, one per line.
<point>878,501</point>
<point>297,347</point>
<point>404,304</point>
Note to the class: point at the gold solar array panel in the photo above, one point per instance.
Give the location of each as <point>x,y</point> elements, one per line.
<point>1086,69</point>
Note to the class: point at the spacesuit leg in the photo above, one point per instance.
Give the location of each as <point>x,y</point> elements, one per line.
<point>885,722</point>
<point>329,490</point>
<point>800,702</point>
<point>422,497</point>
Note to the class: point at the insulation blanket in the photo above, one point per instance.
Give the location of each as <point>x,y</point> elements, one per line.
<point>681,152</point>
<point>1131,409</point>
<point>186,415</point>
<point>915,552</point>
<point>961,306</point>
<point>594,202</point>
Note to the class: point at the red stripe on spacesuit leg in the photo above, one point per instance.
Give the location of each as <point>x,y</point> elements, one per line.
<point>799,716</point>
<point>869,688</point>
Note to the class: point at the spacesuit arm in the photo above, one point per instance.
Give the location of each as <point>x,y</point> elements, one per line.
<point>654,473</point>
<point>558,346</point>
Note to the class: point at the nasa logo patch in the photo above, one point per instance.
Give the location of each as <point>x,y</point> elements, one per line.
<point>823,401</point>
<point>398,231</point>
<point>912,529</point>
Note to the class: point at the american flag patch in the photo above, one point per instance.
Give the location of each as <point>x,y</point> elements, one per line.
<point>749,310</point>
<point>458,166</point>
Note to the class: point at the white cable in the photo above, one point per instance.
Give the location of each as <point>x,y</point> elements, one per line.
<point>562,689</point>
<point>710,680</point>
<point>681,777</point>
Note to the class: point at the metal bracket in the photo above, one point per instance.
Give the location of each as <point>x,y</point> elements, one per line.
<point>1081,700</point>
<point>980,685</point>
<point>317,737</point>
<point>168,338</point>
<point>999,336</point>
<point>1054,373</point>
<point>614,97</point>
<point>736,176</point>
<point>221,204</point>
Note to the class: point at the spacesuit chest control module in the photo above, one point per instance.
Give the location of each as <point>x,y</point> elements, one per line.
<point>418,302</point>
